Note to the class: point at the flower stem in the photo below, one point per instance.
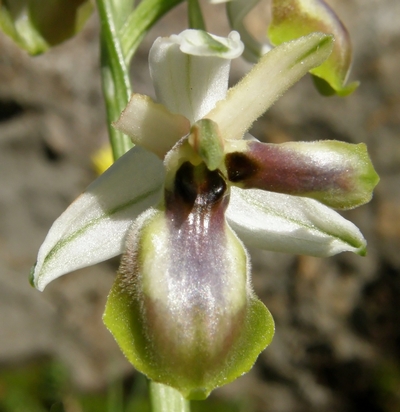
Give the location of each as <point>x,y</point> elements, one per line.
<point>114,75</point>
<point>166,399</point>
<point>196,20</point>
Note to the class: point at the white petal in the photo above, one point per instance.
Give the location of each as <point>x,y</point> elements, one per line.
<point>93,228</point>
<point>284,223</point>
<point>190,72</point>
<point>269,79</point>
<point>151,126</point>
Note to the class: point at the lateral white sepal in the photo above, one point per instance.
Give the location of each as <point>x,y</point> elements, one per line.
<point>291,224</point>
<point>94,227</point>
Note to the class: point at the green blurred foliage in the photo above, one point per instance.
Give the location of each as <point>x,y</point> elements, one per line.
<point>44,385</point>
<point>36,25</point>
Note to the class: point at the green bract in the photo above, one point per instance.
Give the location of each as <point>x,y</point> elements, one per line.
<point>197,185</point>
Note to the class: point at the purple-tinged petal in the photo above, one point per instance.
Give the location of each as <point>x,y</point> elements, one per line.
<point>337,174</point>
<point>197,324</point>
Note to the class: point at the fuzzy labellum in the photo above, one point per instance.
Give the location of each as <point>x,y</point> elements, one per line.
<point>185,277</point>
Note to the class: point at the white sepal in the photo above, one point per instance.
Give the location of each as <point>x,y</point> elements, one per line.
<point>94,227</point>
<point>189,74</point>
<point>291,224</point>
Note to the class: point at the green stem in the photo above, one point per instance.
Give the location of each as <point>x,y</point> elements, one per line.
<point>115,77</point>
<point>195,15</point>
<point>140,21</point>
<point>166,399</point>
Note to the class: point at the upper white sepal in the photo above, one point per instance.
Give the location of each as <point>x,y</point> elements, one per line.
<point>190,71</point>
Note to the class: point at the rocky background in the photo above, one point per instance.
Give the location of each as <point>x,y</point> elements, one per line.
<point>337,343</point>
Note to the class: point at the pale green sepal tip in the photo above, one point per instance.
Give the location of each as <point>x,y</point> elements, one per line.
<point>32,276</point>
<point>122,317</point>
<point>362,177</point>
<point>206,141</point>
<point>365,180</point>
<point>362,252</point>
<point>325,89</point>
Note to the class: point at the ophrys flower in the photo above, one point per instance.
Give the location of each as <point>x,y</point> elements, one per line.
<point>182,307</point>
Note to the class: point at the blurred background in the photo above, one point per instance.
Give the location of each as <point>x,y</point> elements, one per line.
<point>337,342</point>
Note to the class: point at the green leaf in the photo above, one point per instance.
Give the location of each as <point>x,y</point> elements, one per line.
<point>140,21</point>
<point>121,11</point>
<point>295,18</point>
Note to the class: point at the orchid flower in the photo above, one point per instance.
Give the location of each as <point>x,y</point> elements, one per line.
<point>180,204</point>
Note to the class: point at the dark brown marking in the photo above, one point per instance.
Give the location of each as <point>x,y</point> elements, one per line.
<point>240,167</point>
